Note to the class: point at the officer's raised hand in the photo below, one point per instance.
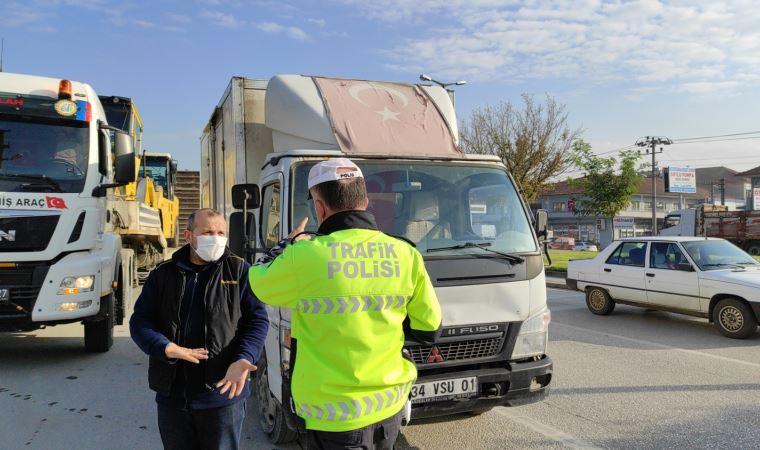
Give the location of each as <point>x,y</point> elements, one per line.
<point>298,232</point>
<point>234,381</point>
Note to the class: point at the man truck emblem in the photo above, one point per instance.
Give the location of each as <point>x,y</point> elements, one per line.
<point>434,356</point>
<point>5,295</point>
<point>9,235</point>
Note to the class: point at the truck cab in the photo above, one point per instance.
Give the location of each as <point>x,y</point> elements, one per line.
<point>463,213</point>
<point>60,262</point>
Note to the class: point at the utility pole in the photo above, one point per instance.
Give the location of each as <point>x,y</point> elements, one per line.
<point>651,142</point>
<point>2,52</point>
<point>722,185</point>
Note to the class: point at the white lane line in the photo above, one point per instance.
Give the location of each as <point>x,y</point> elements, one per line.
<point>546,431</point>
<point>663,346</point>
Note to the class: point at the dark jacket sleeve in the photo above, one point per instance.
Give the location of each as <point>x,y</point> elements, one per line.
<point>142,323</point>
<point>254,323</point>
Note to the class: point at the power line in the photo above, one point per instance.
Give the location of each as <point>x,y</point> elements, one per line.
<point>718,140</point>
<point>716,136</point>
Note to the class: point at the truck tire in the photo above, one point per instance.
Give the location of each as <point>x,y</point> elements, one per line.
<point>271,415</point>
<point>599,302</point>
<point>98,335</point>
<point>173,241</point>
<point>734,319</point>
<point>753,248</point>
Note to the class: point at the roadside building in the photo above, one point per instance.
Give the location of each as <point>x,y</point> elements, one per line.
<point>726,186</point>
<point>754,187</point>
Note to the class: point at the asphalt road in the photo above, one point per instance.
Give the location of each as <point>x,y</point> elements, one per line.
<point>635,379</point>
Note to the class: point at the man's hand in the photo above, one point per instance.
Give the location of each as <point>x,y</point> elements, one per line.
<point>300,229</point>
<point>193,355</point>
<point>234,380</point>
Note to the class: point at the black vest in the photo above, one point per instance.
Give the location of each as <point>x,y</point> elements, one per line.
<point>222,305</point>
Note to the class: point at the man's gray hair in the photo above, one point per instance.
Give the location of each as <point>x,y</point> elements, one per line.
<point>207,212</point>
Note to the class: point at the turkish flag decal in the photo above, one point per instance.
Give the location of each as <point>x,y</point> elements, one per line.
<point>55,202</point>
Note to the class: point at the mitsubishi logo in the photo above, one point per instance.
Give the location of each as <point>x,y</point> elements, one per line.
<point>434,356</point>
<point>9,235</point>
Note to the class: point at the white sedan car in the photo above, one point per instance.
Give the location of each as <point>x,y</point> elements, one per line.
<point>703,277</point>
<point>585,247</point>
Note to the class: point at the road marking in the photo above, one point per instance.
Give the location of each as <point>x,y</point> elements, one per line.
<point>662,346</point>
<point>545,430</point>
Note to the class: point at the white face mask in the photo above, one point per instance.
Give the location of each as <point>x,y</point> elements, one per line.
<point>210,248</point>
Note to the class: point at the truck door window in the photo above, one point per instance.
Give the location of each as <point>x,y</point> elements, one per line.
<point>270,215</point>
<point>629,254</point>
<point>671,221</point>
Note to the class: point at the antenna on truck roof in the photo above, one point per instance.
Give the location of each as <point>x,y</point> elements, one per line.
<point>2,52</point>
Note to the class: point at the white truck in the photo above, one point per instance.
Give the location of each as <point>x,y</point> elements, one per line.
<point>463,213</point>
<point>740,227</point>
<point>64,255</point>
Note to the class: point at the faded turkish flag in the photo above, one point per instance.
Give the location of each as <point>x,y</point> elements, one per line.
<point>55,202</point>
<point>373,117</point>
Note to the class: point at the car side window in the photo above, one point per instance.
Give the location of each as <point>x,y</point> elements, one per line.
<point>629,254</point>
<point>665,255</point>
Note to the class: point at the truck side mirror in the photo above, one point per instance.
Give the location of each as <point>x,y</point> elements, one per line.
<point>238,235</point>
<point>246,196</point>
<point>542,224</point>
<point>125,172</point>
<point>173,166</point>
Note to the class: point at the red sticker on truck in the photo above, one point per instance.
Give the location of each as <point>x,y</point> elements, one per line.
<point>55,202</point>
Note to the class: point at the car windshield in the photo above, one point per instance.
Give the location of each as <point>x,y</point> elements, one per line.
<point>718,254</point>
<point>42,156</point>
<point>437,205</point>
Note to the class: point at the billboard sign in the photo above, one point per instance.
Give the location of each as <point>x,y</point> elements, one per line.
<point>680,179</point>
<point>623,222</point>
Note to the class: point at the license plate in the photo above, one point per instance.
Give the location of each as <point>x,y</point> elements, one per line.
<point>444,389</point>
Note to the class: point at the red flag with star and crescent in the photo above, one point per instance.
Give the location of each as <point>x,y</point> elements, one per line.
<point>55,202</point>
<point>373,117</point>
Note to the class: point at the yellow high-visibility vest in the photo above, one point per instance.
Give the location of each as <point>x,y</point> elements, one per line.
<point>350,292</point>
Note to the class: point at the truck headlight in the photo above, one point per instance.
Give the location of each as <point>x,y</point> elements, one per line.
<point>76,285</point>
<point>534,334</point>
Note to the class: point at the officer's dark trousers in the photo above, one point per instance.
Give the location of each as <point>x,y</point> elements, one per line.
<point>378,436</point>
<point>206,429</point>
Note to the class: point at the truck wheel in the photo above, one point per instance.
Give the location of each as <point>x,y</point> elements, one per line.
<point>271,415</point>
<point>734,319</point>
<point>599,301</point>
<point>98,335</point>
<point>754,249</point>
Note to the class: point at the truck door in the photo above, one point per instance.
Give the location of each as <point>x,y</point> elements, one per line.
<point>667,285</point>
<point>623,272</point>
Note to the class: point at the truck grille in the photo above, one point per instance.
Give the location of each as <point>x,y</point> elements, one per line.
<point>27,233</point>
<point>23,284</point>
<point>458,351</point>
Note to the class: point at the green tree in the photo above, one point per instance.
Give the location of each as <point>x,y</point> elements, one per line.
<point>533,141</point>
<point>608,184</point>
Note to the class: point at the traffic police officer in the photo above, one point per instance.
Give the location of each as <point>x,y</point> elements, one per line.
<point>351,289</point>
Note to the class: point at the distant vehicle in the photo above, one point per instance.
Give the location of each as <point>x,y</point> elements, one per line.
<point>585,247</point>
<point>562,243</point>
<point>740,227</point>
<point>702,277</point>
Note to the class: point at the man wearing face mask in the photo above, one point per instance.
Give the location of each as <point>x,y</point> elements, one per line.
<point>203,330</point>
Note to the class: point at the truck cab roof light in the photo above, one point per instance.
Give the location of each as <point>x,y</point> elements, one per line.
<point>64,89</point>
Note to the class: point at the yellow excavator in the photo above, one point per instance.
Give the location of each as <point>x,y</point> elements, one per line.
<point>152,217</point>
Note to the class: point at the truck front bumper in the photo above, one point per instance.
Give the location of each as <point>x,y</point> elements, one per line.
<point>514,385</point>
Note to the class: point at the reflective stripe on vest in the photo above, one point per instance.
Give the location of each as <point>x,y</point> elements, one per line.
<point>342,411</point>
<point>351,304</point>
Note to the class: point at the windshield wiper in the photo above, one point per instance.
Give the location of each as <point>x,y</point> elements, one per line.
<point>47,181</point>
<point>514,259</point>
<point>723,265</point>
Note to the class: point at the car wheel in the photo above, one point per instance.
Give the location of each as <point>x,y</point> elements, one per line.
<point>734,319</point>
<point>599,301</point>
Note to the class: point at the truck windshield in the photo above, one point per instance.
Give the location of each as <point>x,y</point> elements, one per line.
<point>42,155</point>
<point>718,254</point>
<point>156,168</point>
<point>436,205</point>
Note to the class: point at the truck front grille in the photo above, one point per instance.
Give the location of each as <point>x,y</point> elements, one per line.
<point>456,351</point>
<point>23,284</point>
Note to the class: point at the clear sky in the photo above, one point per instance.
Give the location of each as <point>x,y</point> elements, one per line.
<point>624,69</point>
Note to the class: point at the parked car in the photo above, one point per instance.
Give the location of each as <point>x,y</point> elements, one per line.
<point>585,247</point>
<point>562,243</point>
<point>702,277</point>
